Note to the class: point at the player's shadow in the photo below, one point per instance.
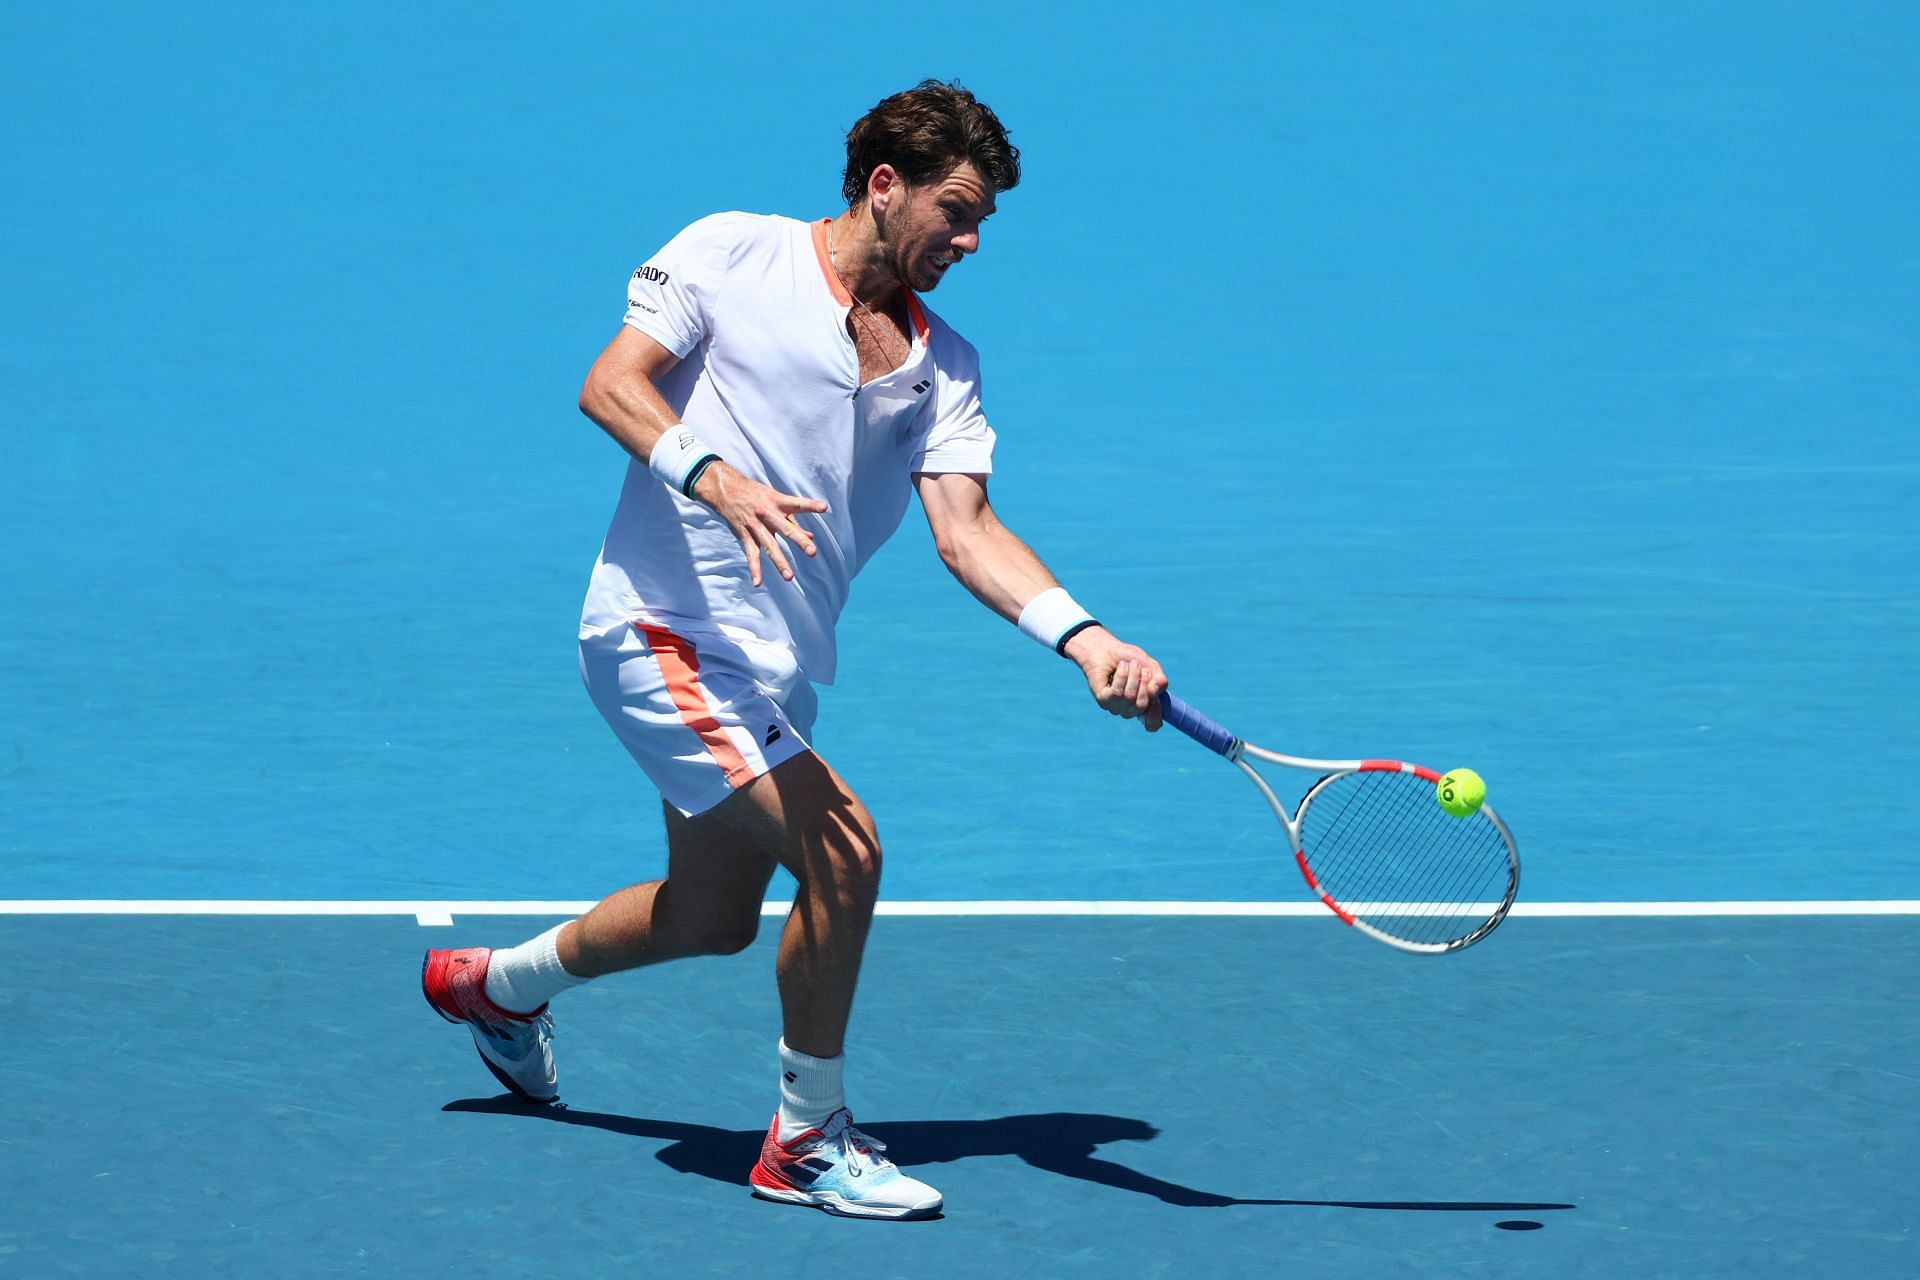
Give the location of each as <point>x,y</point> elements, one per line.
<point>1058,1142</point>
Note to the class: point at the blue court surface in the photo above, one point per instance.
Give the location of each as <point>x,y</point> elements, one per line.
<point>1534,388</point>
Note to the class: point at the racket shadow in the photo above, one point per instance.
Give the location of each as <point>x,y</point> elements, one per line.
<point>1062,1143</point>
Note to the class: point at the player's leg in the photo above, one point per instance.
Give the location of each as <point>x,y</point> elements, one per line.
<point>805,815</point>
<point>801,814</point>
<point>709,904</point>
<point>702,728</point>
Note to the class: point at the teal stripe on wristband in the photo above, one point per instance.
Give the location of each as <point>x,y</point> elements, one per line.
<point>696,471</point>
<point>1060,645</point>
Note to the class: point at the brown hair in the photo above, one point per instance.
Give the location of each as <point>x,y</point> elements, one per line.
<point>924,132</point>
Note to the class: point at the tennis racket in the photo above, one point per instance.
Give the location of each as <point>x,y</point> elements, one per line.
<point>1375,845</point>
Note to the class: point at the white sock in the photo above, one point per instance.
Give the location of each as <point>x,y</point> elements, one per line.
<point>521,979</point>
<point>810,1091</point>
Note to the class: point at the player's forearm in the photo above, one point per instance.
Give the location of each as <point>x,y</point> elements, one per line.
<point>1004,574</point>
<point>1001,571</point>
<point>629,408</point>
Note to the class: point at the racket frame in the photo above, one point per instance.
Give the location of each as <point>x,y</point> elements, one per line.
<point>1235,751</point>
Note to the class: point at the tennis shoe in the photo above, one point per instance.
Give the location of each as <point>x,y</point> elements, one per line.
<point>840,1169</point>
<point>516,1047</point>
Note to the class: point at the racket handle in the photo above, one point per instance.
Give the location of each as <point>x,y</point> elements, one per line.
<point>1209,733</point>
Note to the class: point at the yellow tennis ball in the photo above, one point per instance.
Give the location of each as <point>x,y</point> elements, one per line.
<point>1461,793</point>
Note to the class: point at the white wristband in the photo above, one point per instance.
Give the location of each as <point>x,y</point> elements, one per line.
<point>678,458</point>
<point>1053,618</point>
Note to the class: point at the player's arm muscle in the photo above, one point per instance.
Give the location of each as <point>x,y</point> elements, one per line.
<point>1003,573</point>
<point>988,558</point>
<point>620,394</point>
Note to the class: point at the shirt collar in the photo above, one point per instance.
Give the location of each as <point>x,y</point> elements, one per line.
<point>845,299</point>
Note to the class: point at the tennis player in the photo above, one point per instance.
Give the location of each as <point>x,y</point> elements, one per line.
<point>782,388</point>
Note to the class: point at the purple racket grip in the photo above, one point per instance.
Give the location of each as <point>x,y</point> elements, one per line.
<point>1208,733</point>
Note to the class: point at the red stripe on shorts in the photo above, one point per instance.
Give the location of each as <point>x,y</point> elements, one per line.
<point>680,666</point>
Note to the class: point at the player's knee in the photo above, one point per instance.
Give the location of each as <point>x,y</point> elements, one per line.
<point>729,937</point>
<point>856,871</point>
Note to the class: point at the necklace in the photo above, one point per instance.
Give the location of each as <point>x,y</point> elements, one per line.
<point>872,323</point>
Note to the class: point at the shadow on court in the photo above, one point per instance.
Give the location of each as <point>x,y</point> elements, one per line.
<point>1057,1142</point>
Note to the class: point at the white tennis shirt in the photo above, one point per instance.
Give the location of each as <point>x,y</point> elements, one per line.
<point>769,379</point>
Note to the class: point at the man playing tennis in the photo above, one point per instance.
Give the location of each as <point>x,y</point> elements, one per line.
<point>781,388</point>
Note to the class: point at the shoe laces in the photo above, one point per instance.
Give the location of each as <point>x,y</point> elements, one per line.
<point>860,1150</point>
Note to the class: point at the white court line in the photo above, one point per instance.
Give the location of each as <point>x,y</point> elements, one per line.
<point>443,913</point>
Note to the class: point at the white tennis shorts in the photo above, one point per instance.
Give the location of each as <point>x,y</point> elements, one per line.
<point>702,712</point>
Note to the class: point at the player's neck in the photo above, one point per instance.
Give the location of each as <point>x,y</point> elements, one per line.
<point>860,259</point>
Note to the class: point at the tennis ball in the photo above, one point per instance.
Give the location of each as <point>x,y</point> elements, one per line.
<point>1461,793</point>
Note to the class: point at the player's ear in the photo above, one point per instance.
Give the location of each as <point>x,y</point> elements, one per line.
<point>884,186</point>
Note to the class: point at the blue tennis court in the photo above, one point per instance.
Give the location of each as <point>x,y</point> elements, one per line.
<point>1528,389</point>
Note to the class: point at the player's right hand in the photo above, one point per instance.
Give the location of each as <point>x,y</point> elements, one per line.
<point>1123,678</point>
<point>760,516</point>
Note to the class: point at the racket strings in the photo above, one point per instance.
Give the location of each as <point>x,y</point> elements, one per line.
<point>1381,846</point>
<point>1446,863</point>
<point>1384,863</point>
<point>1358,847</point>
<point>1435,877</point>
<point>1429,882</point>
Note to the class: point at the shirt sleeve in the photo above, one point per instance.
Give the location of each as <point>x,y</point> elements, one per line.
<point>958,438</point>
<point>671,297</point>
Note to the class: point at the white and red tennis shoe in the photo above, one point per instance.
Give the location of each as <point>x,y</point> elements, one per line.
<point>840,1169</point>
<point>516,1047</point>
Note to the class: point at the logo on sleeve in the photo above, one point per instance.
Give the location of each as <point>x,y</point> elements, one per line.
<point>920,387</point>
<point>652,275</point>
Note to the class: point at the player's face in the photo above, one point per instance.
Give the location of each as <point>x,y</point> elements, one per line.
<point>938,224</point>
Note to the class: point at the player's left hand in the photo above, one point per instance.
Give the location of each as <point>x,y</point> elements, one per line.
<point>759,515</point>
<point>1123,678</point>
